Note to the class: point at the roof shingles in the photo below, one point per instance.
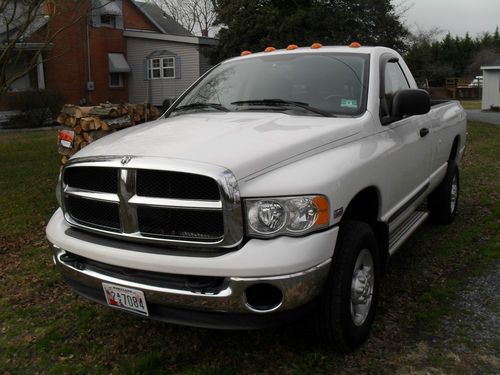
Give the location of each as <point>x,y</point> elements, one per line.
<point>163,21</point>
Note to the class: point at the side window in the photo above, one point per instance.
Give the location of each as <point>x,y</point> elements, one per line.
<point>394,80</point>
<point>115,80</point>
<point>108,20</point>
<point>161,67</point>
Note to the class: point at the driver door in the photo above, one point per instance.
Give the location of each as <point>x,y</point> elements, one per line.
<point>408,160</point>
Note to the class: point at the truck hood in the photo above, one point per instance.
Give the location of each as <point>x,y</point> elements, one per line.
<point>244,142</point>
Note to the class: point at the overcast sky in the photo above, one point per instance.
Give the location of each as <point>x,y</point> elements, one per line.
<point>455,16</point>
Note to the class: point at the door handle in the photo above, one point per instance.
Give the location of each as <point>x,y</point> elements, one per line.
<point>423,132</point>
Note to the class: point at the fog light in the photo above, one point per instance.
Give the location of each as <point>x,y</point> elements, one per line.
<point>263,297</point>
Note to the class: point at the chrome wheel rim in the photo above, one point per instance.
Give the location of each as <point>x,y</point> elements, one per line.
<point>454,194</point>
<point>363,279</point>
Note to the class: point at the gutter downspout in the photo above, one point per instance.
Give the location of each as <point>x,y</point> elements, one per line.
<point>148,98</point>
<point>89,65</point>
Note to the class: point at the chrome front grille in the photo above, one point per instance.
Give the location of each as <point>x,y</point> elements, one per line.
<point>167,184</point>
<point>94,179</point>
<point>154,200</point>
<point>97,214</point>
<point>180,224</point>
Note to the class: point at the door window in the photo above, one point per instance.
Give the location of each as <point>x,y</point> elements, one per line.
<point>394,80</point>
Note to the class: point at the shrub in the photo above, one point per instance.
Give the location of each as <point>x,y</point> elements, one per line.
<point>37,107</point>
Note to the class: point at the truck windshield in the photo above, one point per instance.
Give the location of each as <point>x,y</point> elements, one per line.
<point>316,84</point>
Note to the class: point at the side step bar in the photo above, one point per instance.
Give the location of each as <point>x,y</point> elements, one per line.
<point>401,233</point>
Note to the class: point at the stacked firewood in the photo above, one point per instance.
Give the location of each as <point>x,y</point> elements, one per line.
<point>83,125</point>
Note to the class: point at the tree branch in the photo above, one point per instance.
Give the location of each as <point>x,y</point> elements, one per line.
<point>12,51</point>
<point>191,14</point>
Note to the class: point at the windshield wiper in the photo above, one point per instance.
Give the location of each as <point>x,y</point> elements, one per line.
<point>281,102</point>
<point>200,105</point>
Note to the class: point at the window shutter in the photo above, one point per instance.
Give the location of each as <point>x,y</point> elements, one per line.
<point>146,62</point>
<point>177,67</point>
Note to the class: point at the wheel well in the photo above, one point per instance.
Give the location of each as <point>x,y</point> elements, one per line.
<point>454,148</point>
<point>365,207</point>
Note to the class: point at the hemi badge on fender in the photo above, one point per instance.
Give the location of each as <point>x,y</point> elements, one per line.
<point>338,212</point>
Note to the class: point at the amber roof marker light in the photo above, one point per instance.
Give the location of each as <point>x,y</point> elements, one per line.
<point>316,45</point>
<point>291,47</point>
<point>355,45</point>
<point>270,49</point>
<point>246,52</point>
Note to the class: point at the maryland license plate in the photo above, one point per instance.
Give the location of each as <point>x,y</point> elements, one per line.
<point>66,138</point>
<point>125,298</point>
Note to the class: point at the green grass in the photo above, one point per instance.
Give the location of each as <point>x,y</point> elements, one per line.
<point>471,104</point>
<point>29,170</point>
<point>45,328</point>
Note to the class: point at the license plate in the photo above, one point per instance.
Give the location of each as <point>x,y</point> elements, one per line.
<point>66,138</point>
<point>125,298</point>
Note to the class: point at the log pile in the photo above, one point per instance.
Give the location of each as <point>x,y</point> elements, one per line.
<point>83,125</point>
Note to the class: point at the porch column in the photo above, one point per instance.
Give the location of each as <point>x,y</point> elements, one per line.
<point>40,73</point>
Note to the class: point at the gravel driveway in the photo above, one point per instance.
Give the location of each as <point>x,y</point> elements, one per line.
<point>488,117</point>
<point>467,340</point>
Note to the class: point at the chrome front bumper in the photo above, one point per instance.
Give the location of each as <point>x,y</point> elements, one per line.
<point>297,289</point>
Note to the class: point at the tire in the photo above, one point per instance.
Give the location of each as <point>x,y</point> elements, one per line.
<point>443,202</point>
<point>335,323</point>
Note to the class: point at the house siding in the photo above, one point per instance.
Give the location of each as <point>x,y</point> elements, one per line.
<point>159,89</point>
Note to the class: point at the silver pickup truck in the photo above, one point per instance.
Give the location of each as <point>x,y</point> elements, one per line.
<point>276,186</point>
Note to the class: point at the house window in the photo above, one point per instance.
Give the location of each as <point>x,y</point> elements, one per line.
<point>115,80</point>
<point>161,67</point>
<point>108,20</point>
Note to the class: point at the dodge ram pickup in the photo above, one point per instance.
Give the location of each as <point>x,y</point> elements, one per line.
<point>276,186</point>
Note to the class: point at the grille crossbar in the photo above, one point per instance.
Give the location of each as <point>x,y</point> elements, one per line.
<point>205,215</point>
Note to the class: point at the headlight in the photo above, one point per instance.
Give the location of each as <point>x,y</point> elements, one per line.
<point>293,216</point>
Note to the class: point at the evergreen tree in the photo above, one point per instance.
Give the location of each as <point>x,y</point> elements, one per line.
<point>452,56</point>
<point>496,38</point>
<point>256,24</point>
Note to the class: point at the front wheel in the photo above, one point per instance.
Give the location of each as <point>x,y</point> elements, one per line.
<point>347,306</point>
<point>443,201</point>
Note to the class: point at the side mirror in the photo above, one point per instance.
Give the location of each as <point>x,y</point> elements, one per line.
<point>409,102</point>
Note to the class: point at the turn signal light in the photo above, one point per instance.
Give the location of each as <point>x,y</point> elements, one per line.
<point>292,47</point>
<point>323,214</point>
<point>316,45</point>
<point>270,49</point>
<point>244,53</point>
<point>354,45</point>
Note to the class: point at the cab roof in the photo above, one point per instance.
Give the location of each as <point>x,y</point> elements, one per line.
<point>322,49</point>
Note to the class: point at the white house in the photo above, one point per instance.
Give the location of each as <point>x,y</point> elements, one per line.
<point>165,62</point>
<point>491,85</point>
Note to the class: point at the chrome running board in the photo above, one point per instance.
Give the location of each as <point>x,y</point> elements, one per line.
<point>405,229</point>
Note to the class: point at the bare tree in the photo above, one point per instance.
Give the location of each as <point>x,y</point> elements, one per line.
<point>485,56</point>
<point>181,11</point>
<point>421,36</point>
<point>205,16</point>
<point>193,15</point>
<point>27,30</point>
